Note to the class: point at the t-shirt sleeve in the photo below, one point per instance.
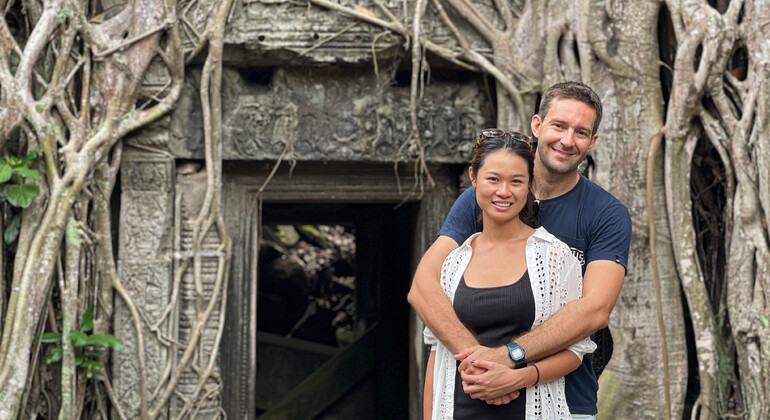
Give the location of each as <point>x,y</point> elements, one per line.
<point>612,236</point>
<point>460,223</point>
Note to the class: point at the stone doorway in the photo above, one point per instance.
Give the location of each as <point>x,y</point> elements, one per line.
<point>364,373</point>
<point>378,375</point>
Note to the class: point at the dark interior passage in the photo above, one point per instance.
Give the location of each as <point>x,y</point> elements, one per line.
<point>332,337</point>
<point>307,286</point>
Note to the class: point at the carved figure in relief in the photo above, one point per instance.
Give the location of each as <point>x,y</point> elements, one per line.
<point>145,214</point>
<point>333,118</point>
<point>249,125</point>
<point>147,176</point>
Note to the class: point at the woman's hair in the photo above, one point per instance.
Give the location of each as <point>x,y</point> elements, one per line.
<point>493,140</point>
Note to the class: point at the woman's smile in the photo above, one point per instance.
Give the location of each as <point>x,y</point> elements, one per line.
<point>502,185</point>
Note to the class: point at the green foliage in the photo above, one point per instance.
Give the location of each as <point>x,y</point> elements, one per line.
<point>13,228</point>
<point>87,346</point>
<point>21,195</point>
<point>21,187</point>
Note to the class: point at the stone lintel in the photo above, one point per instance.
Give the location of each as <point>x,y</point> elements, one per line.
<point>334,115</point>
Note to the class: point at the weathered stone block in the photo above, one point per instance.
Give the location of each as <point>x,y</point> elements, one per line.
<point>191,305</point>
<point>267,31</point>
<point>146,213</point>
<point>145,267</point>
<point>335,115</point>
<point>147,282</point>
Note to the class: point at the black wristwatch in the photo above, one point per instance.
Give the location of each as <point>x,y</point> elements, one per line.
<point>517,354</point>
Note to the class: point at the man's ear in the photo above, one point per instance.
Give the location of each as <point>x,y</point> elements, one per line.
<point>535,126</point>
<point>593,141</point>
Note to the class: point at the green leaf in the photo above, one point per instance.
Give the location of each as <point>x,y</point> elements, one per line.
<point>79,360</point>
<point>91,364</point>
<point>27,173</point>
<point>94,353</point>
<point>49,337</point>
<point>99,377</point>
<point>12,230</point>
<point>54,356</point>
<point>106,340</point>
<point>78,338</point>
<point>32,156</point>
<point>15,162</point>
<point>5,171</point>
<point>21,195</point>
<point>87,320</point>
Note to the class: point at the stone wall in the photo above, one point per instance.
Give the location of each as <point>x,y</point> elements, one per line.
<point>301,83</point>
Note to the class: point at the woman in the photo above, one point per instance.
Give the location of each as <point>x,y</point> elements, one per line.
<point>503,282</point>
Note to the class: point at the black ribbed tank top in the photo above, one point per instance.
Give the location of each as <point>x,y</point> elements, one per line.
<point>494,315</point>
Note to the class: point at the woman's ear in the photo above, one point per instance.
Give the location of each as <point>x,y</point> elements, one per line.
<point>473,178</point>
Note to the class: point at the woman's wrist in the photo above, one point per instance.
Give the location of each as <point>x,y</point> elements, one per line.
<point>535,374</point>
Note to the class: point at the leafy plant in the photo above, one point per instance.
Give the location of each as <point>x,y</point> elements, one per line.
<point>88,346</point>
<point>19,169</point>
<point>21,187</point>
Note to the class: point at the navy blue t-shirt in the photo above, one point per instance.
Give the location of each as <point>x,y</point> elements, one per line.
<point>594,224</point>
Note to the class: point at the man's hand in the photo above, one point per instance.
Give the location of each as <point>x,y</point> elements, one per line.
<point>496,380</point>
<point>468,355</point>
<point>468,367</point>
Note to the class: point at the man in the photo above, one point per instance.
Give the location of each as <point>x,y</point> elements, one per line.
<point>591,221</point>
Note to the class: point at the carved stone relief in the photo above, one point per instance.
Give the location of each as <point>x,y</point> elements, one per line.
<point>327,115</point>
<point>150,297</point>
<point>190,191</point>
<point>145,267</point>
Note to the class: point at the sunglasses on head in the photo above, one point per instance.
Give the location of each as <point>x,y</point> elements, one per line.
<point>491,133</point>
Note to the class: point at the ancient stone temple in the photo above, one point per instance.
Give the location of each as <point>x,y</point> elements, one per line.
<point>328,97</point>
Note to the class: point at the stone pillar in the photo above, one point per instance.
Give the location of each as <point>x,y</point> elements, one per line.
<point>190,195</point>
<point>238,347</point>
<point>145,247</point>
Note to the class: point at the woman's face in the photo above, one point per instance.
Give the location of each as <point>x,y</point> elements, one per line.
<point>502,185</point>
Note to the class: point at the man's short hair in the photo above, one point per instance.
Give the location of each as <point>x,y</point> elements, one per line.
<point>572,90</point>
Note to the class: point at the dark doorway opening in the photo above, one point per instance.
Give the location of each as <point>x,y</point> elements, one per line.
<point>307,283</point>
<point>333,340</point>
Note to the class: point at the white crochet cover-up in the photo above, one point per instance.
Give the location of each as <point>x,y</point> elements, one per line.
<point>556,279</point>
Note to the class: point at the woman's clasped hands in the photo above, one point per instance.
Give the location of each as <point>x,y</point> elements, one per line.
<point>495,383</point>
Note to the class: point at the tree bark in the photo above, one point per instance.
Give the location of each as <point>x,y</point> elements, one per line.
<point>626,75</point>
<point>118,78</point>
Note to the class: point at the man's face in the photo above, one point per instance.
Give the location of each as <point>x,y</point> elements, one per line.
<point>564,135</point>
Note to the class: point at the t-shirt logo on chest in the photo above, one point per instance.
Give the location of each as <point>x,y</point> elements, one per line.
<point>580,256</point>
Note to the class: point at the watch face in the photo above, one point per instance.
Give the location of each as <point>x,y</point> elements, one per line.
<point>517,353</point>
